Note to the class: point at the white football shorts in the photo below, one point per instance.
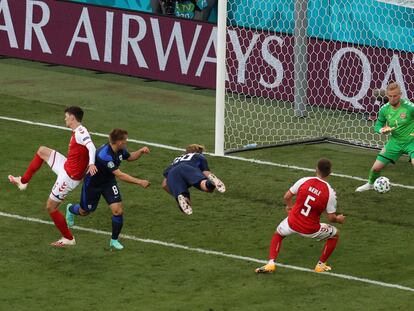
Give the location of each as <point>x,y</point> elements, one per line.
<point>64,184</point>
<point>325,232</point>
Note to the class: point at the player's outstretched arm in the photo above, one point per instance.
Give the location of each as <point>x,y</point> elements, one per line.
<point>381,122</point>
<point>332,217</point>
<point>288,197</point>
<point>137,154</point>
<point>130,179</point>
<point>92,170</point>
<point>386,129</point>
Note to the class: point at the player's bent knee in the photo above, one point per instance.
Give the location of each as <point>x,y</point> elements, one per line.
<point>44,152</point>
<point>117,209</point>
<point>50,209</point>
<point>51,205</point>
<point>378,166</point>
<point>376,169</point>
<point>41,150</point>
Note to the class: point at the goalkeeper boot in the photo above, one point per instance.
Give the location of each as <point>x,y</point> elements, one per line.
<point>18,182</point>
<point>267,268</point>
<point>70,218</point>
<point>217,182</point>
<point>322,267</point>
<point>184,205</point>
<point>62,242</point>
<point>116,245</point>
<point>364,187</point>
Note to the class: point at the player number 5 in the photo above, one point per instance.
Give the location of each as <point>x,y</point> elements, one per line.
<point>306,211</point>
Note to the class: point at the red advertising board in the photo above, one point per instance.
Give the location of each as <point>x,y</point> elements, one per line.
<point>260,63</point>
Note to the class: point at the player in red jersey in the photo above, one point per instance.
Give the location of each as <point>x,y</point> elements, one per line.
<point>314,196</point>
<point>70,171</point>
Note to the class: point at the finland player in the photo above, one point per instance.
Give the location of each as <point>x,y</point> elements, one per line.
<point>314,196</point>
<point>395,118</point>
<point>190,169</point>
<point>69,171</point>
<point>108,160</point>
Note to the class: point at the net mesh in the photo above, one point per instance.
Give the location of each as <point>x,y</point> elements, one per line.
<point>299,71</point>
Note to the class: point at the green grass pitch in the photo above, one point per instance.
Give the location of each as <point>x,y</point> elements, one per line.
<point>376,242</point>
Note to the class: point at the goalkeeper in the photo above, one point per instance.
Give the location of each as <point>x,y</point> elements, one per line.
<point>395,117</point>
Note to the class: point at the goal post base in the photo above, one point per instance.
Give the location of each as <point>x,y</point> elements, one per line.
<point>314,141</point>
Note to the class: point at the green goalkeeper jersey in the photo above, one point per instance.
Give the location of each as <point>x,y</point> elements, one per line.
<point>401,118</point>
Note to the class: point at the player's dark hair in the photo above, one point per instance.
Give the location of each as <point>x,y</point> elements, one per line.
<point>76,111</point>
<point>117,135</point>
<point>324,167</point>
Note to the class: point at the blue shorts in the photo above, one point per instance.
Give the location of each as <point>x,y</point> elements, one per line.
<point>91,194</point>
<point>182,177</point>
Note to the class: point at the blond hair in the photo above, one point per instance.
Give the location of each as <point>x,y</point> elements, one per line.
<point>393,86</point>
<point>195,148</point>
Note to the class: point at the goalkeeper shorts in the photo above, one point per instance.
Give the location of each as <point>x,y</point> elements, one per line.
<point>393,150</point>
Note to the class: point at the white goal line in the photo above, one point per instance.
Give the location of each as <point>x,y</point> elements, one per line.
<point>215,253</point>
<point>293,167</point>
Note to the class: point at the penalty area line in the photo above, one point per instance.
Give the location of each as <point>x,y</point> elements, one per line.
<point>261,162</point>
<point>215,253</point>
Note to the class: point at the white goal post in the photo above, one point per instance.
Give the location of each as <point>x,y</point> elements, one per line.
<point>299,71</point>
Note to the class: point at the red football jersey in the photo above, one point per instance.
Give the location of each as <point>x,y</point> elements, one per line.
<point>77,159</point>
<point>313,197</point>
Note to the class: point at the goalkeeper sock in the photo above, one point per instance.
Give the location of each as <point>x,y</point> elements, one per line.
<point>373,175</point>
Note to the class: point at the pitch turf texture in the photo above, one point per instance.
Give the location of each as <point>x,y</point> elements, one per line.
<point>376,241</point>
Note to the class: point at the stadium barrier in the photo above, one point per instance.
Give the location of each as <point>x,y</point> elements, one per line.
<point>183,51</point>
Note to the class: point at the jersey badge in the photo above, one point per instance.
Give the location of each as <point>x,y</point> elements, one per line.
<point>403,115</point>
<point>111,164</point>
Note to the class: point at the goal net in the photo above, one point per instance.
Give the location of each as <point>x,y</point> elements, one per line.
<point>305,71</point>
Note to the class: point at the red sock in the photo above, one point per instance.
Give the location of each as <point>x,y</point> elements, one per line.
<point>328,249</point>
<point>275,245</point>
<point>33,167</point>
<point>61,224</point>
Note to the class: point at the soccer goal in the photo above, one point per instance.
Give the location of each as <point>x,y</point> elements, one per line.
<point>303,71</point>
